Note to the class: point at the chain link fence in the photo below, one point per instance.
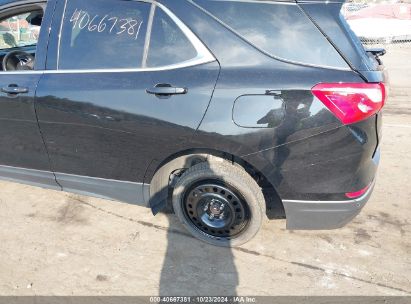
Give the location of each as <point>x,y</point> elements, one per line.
<point>380,24</point>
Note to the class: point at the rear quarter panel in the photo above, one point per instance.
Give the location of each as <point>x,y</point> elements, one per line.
<point>310,141</point>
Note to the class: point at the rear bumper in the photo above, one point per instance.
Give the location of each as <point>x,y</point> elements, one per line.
<point>318,215</point>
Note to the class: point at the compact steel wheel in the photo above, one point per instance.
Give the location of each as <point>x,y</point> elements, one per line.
<point>216,210</point>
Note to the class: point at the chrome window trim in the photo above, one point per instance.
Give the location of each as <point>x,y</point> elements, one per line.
<point>148,35</point>
<point>60,31</point>
<point>185,64</point>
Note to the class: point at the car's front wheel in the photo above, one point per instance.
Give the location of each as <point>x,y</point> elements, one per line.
<point>219,203</point>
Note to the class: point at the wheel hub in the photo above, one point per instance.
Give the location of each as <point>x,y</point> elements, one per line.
<point>216,210</point>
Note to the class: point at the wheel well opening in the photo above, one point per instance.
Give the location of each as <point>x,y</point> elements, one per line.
<point>274,205</point>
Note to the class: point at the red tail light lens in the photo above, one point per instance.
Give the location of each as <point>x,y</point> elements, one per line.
<point>351,102</point>
<point>358,193</point>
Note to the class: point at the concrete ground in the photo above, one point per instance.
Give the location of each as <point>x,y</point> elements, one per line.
<point>54,243</point>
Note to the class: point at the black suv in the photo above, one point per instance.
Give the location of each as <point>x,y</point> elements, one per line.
<point>226,112</point>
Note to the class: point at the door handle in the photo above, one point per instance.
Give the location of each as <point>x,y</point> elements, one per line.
<point>15,90</point>
<point>166,90</point>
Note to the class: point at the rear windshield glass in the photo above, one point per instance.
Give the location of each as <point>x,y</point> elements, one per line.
<point>281,30</point>
<point>328,16</point>
<point>368,59</point>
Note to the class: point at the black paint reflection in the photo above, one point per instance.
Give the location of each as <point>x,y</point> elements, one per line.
<point>86,139</point>
<point>21,144</point>
<point>258,111</point>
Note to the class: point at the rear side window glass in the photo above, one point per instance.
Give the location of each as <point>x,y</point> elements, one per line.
<point>281,30</point>
<point>168,44</point>
<point>98,34</point>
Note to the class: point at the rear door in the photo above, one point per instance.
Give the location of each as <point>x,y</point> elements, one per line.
<point>127,83</point>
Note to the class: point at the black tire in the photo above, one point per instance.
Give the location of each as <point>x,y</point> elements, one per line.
<point>248,201</point>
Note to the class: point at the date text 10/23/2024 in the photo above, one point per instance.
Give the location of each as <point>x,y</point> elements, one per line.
<point>203,299</point>
<point>82,20</point>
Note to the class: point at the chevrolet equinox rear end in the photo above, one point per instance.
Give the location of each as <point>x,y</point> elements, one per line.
<point>225,112</point>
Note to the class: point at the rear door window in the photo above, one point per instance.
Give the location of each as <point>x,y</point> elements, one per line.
<point>168,44</point>
<point>281,30</point>
<point>103,34</point>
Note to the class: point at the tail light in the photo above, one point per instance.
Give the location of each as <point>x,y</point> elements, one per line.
<point>351,102</point>
<point>358,193</point>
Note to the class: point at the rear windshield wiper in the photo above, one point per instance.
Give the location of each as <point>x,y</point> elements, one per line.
<point>376,51</point>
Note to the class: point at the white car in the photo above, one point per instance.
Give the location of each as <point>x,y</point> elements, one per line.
<point>382,23</point>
